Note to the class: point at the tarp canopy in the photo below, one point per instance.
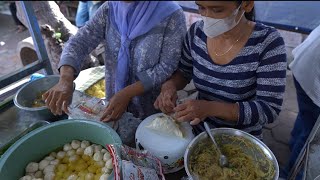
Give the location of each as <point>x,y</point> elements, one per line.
<point>297,16</point>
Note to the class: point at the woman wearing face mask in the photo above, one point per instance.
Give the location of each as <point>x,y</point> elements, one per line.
<point>238,67</point>
<point>143,41</point>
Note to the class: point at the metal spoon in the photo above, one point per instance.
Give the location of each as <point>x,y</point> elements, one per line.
<point>223,161</point>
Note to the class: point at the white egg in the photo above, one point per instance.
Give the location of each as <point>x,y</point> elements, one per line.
<point>109,164</point>
<point>49,158</point>
<point>53,154</point>
<point>43,164</point>
<point>80,151</point>
<point>97,148</point>
<point>67,147</point>
<point>30,174</point>
<point>88,151</point>
<point>104,177</point>
<point>61,155</point>
<point>32,167</point>
<point>75,144</point>
<point>50,168</point>
<point>27,177</point>
<point>38,174</point>
<point>72,177</point>
<point>71,152</point>
<point>55,162</point>
<point>104,170</point>
<point>84,144</point>
<point>97,156</point>
<point>49,176</point>
<point>106,156</point>
<point>89,176</point>
<point>104,151</point>
<point>73,158</point>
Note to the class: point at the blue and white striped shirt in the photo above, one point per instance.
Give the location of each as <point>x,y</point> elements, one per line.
<point>255,78</point>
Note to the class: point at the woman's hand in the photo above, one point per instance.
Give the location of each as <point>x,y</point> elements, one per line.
<point>59,97</point>
<point>192,110</point>
<point>117,106</point>
<point>166,100</point>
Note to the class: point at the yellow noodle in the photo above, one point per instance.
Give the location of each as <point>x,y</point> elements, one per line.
<point>204,162</point>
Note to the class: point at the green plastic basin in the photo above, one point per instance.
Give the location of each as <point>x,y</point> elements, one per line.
<point>35,145</point>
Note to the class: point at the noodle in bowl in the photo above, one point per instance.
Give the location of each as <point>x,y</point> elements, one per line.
<point>248,157</point>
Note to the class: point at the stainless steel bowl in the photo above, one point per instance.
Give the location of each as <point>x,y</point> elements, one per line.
<point>28,93</point>
<point>257,150</point>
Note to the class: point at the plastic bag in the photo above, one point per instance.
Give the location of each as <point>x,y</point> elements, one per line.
<point>136,164</point>
<point>87,107</point>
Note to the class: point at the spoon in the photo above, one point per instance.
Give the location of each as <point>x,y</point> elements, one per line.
<point>223,161</point>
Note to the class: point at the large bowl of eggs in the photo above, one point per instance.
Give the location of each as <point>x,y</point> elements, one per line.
<point>67,149</point>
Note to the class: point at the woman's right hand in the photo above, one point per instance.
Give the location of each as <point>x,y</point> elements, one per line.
<point>166,101</point>
<point>59,97</point>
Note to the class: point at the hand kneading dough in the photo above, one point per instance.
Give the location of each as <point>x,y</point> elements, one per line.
<point>167,125</point>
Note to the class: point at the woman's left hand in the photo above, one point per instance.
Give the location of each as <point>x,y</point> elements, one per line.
<point>117,106</point>
<point>192,110</point>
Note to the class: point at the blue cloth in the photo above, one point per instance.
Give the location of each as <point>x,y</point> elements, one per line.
<point>133,20</point>
<point>255,79</point>
<point>307,117</point>
<point>36,76</point>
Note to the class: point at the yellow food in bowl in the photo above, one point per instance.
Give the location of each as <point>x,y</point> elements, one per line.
<point>97,89</point>
<point>204,162</point>
<point>38,102</point>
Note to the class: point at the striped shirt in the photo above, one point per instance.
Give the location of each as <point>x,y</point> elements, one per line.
<point>255,78</point>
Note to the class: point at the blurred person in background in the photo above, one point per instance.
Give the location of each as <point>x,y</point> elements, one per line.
<point>306,73</point>
<point>13,10</point>
<point>86,10</point>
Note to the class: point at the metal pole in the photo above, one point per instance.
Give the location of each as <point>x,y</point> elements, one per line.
<point>36,35</point>
<point>301,161</point>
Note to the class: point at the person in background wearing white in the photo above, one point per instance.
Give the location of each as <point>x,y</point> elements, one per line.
<point>306,73</point>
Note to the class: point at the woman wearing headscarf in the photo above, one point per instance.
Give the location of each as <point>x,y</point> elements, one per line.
<point>143,42</point>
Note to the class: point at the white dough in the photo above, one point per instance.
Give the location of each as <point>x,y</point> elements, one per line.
<point>166,124</point>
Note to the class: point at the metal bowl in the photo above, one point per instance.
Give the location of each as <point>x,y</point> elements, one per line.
<point>257,150</point>
<point>28,93</point>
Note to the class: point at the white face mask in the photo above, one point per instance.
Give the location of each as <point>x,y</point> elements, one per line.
<point>214,27</point>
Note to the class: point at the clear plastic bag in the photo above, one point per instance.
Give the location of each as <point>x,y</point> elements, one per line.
<point>137,164</point>
<point>87,107</point>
